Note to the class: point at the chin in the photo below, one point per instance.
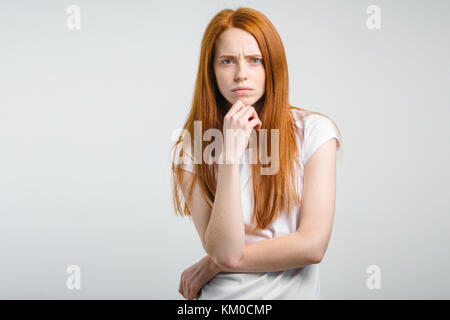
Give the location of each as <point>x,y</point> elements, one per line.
<point>248,101</point>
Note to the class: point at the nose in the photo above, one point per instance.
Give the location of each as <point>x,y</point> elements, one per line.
<point>241,72</point>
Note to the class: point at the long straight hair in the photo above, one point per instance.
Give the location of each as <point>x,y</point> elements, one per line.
<point>271,193</point>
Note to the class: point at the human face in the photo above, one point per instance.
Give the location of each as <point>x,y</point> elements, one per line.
<point>238,63</point>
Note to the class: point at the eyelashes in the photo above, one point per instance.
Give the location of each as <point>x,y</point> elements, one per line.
<point>259,61</point>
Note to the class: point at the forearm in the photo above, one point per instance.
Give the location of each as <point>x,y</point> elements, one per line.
<point>225,235</point>
<point>282,253</point>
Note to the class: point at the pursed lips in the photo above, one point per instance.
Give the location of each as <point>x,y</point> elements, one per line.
<point>242,90</point>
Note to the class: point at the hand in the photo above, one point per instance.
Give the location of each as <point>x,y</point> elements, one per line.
<point>238,123</point>
<point>194,278</point>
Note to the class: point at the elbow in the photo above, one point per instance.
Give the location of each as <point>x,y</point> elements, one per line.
<point>225,262</point>
<point>316,258</point>
<point>228,264</point>
<point>222,260</point>
<point>312,249</point>
<point>222,256</point>
<point>317,255</point>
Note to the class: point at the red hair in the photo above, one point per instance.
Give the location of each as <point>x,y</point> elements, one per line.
<point>271,193</point>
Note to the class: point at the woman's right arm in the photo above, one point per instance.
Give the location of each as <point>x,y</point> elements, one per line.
<point>222,229</point>
<point>225,235</point>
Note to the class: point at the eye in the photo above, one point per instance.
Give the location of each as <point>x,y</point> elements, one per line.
<point>224,60</point>
<point>259,60</point>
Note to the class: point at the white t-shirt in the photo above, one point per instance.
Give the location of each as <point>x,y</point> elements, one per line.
<point>293,284</point>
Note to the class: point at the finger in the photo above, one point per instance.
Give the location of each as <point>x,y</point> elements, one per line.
<point>235,108</point>
<point>191,293</point>
<point>259,126</point>
<point>180,287</point>
<point>184,290</point>
<point>250,113</point>
<point>187,292</point>
<point>242,112</point>
<point>255,123</point>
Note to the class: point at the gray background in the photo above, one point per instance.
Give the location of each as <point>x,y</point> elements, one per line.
<point>86,118</point>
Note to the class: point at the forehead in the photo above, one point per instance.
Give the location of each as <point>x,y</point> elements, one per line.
<point>235,41</point>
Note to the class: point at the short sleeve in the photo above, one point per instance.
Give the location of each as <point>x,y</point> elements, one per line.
<point>186,162</point>
<point>318,130</point>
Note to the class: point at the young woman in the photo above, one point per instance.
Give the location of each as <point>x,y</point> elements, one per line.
<point>264,234</point>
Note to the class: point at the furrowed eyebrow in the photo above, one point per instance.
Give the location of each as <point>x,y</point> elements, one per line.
<point>256,55</point>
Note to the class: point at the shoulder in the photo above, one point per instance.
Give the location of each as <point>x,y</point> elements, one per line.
<point>315,129</point>
<point>308,120</point>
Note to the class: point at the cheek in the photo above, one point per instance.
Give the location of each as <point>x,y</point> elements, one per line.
<point>221,79</point>
<point>261,79</point>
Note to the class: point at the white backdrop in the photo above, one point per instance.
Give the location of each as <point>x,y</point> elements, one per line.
<point>86,117</point>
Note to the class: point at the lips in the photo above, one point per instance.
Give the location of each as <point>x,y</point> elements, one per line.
<point>243,92</point>
<point>241,88</point>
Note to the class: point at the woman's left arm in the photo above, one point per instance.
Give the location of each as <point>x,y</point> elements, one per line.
<point>308,244</point>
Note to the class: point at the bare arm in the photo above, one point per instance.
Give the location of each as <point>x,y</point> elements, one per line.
<point>225,235</point>
<point>305,246</point>
<point>308,244</point>
<point>282,253</point>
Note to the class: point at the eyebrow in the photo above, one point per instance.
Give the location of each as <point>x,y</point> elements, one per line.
<point>247,56</point>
